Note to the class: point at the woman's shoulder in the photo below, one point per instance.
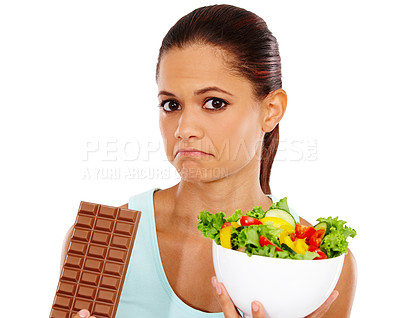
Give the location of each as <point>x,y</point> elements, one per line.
<point>138,197</point>
<point>142,200</point>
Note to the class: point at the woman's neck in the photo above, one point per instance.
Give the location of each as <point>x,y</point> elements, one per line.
<point>219,196</point>
<point>185,200</point>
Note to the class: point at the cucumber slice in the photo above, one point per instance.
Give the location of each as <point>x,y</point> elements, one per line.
<point>278,213</point>
<point>323,225</point>
<point>287,248</point>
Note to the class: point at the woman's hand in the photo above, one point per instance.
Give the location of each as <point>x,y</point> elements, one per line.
<point>257,309</point>
<point>229,309</point>
<point>83,314</point>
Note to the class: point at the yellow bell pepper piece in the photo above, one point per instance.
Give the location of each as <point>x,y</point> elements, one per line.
<point>225,236</point>
<point>282,236</point>
<point>235,224</point>
<point>300,246</point>
<point>279,223</point>
<point>287,240</point>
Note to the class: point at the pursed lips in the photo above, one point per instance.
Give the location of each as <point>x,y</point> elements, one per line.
<point>191,152</point>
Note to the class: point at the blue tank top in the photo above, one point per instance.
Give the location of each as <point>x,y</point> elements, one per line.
<point>146,292</point>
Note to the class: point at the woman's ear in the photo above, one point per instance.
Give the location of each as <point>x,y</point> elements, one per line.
<point>273,109</point>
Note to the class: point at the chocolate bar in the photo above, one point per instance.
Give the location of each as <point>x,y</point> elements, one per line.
<point>96,262</point>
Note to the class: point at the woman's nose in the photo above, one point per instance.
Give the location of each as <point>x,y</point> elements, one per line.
<point>189,125</point>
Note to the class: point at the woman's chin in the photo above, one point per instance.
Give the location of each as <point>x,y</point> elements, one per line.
<point>196,174</point>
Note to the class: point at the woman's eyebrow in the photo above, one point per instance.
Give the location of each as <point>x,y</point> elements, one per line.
<point>165,93</point>
<point>211,88</point>
<point>199,92</point>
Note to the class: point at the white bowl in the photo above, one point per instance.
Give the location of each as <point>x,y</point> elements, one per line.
<point>287,288</point>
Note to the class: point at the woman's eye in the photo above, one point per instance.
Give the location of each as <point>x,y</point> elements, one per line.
<point>170,105</point>
<point>215,104</point>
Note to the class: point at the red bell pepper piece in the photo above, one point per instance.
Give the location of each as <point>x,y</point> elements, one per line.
<point>317,237</point>
<point>303,231</point>
<point>226,224</point>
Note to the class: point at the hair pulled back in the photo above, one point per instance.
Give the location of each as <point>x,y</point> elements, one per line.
<point>255,54</point>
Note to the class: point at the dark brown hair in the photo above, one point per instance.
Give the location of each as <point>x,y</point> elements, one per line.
<point>256,56</point>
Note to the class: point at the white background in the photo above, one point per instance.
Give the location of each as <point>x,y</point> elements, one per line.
<point>78,96</point>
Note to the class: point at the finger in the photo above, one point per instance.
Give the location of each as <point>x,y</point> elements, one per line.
<point>224,300</point>
<point>83,314</point>
<point>258,311</point>
<point>323,309</point>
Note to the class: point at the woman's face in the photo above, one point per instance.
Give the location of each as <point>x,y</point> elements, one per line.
<point>210,121</point>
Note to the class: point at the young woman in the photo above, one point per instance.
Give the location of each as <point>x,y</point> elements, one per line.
<point>221,100</point>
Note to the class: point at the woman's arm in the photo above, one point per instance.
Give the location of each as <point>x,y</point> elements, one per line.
<point>346,287</point>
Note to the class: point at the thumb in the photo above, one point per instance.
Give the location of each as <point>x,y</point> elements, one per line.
<point>83,314</point>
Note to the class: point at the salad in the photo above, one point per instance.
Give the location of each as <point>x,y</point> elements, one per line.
<point>275,233</point>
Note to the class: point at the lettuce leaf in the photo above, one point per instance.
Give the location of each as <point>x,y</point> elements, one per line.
<point>270,232</point>
<point>257,212</point>
<point>235,216</point>
<point>281,204</point>
<point>249,236</point>
<point>335,242</point>
<point>210,224</point>
<point>268,250</point>
<point>235,237</point>
<point>307,255</point>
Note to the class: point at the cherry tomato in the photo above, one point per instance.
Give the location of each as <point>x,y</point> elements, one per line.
<point>248,220</point>
<point>264,242</point>
<point>317,237</point>
<point>321,254</point>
